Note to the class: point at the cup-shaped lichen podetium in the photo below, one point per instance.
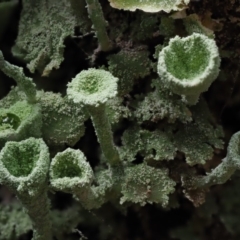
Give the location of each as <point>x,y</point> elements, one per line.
<point>24,169</point>
<point>188,66</point>
<point>70,172</point>
<point>20,121</point>
<point>92,88</point>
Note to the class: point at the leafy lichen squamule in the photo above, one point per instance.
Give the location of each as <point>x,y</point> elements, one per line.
<point>150,5</point>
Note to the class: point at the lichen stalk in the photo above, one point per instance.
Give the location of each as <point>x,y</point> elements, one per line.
<point>96,15</point>
<point>25,83</point>
<point>37,208</point>
<point>223,172</point>
<point>104,134</point>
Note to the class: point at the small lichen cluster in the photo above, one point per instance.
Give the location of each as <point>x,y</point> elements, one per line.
<point>153,129</point>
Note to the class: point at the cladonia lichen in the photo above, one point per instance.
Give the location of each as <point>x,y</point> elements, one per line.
<point>109,111</point>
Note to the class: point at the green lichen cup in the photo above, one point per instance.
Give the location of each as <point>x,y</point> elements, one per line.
<point>24,169</point>
<point>20,121</point>
<point>188,66</point>
<point>70,172</point>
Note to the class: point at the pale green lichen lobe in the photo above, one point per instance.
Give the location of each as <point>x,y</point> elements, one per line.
<point>47,26</point>
<point>63,121</point>
<point>149,5</point>
<point>129,66</point>
<point>144,184</point>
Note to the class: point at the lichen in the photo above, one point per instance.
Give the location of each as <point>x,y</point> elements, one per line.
<point>129,66</point>
<point>144,184</point>
<point>160,104</point>
<point>188,66</point>
<point>157,145</point>
<point>149,5</point>
<point>110,113</point>
<point>198,139</point>
<point>63,121</point>
<point>47,27</point>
